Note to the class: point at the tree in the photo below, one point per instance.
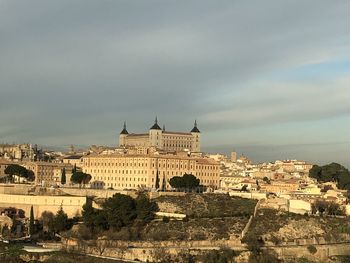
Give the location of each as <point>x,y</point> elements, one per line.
<point>157,181</point>
<point>94,218</point>
<point>63,177</point>
<point>319,206</point>
<point>17,170</point>
<point>60,221</point>
<point>80,178</point>
<point>163,184</point>
<point>31,221</point>
<point>145,208</point>
<point>330,208</point>
<point>244,188</point>
<point>266,180</point>
<point>187,181</point>
<point>47,219</point>
<point>120,211</point>
<point>224,255</point>
<point>333,172</point>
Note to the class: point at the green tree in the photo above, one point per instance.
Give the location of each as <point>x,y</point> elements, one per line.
<point>187,181</point>
<point>244,188</point>
<point>31,221</point>
<point>157,181</point>
<point>63,177</point>
<point>224,255</point>
<point>333,172</point>
<point>60,221</point>
<point>47,219</point>
<point>145,208</point>
<point>80,178</point>
<point>120,211</point>
<point>94,218</point>
<point>266,180</point>
<point>17,170</point>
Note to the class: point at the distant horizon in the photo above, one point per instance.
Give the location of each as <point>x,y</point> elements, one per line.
<point>252,152</point>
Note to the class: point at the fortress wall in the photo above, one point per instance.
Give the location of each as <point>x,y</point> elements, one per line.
<point>72,205</point>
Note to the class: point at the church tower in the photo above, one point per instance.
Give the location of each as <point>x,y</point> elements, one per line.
<point>122,136</point>
<point>155,135</point>
<point>196,141</point>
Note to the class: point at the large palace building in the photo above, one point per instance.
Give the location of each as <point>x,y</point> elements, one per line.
<point>134,171</point>
<point>162,139</point>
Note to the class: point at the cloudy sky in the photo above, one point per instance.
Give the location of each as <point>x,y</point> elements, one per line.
<point>269,79</point>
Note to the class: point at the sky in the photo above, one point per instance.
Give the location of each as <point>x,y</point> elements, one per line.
<point>269,79</point>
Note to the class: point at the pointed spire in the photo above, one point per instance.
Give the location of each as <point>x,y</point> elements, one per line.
<point>124,131</point>
<point>163,127</point>
<point>195,128</point>
<point>155,125</point>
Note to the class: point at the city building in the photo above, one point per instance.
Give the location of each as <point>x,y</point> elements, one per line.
<point>49,174</point>
<point>134,171</point>
<point>21,152</point>
<point>74,160</point>
<point>3,165</point>
<point>162,139</point>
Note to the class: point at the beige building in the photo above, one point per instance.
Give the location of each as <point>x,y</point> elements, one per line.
<point>17,151</point>
<point>49,174</point>
<point>162,139</point>
<point>3,165</point>
<point>133,171</point>
<point>280,187</point>
<point>74,160</point>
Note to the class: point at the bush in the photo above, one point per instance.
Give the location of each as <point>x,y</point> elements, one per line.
<point>312,249</point>
<point>224,255</point>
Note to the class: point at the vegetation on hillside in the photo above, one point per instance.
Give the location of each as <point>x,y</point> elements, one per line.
<point>275,226</point>
<point>187,182</point>
<point>208,205</point>
<point>119,211</point>
<point>333,172</point>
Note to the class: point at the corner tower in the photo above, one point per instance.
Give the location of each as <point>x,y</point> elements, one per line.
<point>196,141</point>
<point>155,135</point>
<point>122,136</point>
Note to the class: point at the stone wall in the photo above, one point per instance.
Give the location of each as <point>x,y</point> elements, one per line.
<point>72,205</point>
<point>99,193</point>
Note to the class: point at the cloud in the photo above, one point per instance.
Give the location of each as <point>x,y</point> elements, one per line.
<point>75,70</point>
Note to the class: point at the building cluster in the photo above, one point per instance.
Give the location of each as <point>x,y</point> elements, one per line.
<point>19,152</point>
<point>149,160</point>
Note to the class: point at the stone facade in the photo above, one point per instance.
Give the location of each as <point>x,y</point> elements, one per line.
<point>17,151</point>
<point>133,171</point>
<point>49,174</point>
<point>162,139</point>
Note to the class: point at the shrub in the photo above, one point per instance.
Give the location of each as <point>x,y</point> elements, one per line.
<point>312,249</point>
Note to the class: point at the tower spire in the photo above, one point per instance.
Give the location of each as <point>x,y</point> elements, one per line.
<point>163,127</point>
<point>195,128</point>
<point>124,131</point>
<point>155,125</point>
